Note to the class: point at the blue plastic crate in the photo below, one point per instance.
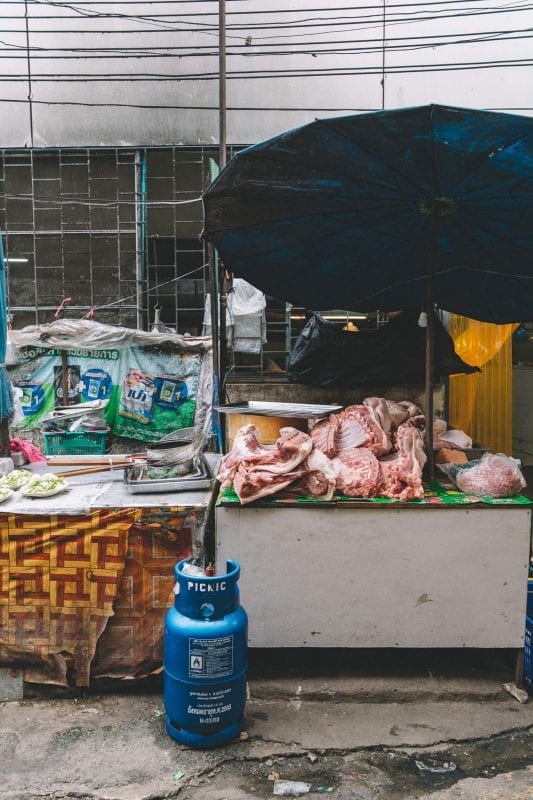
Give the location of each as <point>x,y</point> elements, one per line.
<point>528,655</point>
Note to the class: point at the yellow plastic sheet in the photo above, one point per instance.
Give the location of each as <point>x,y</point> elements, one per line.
<point>481,404</point>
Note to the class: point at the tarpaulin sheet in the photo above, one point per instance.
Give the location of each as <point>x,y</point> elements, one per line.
<point>60,577</point>
<point>154,384</point>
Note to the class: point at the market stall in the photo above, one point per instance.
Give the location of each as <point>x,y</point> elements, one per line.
<point>443,572</point>
<point>90,536</point>
<point>364,552</point>
<point>406,210</point>
<point>87,574</point>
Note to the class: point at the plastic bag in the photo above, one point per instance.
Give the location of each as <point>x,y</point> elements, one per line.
<point>490,476</point>
<point>245,318</point>
<point>323,355</point>
<point>246,306</point>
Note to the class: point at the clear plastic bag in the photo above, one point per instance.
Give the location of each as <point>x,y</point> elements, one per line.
<point>493,475</point>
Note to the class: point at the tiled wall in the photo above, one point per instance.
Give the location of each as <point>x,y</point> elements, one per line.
<point>74,221</point>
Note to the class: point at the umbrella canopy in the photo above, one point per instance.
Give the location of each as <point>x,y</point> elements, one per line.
<point>355,213</point>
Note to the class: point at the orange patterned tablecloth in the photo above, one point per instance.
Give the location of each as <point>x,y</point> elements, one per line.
<point>72,584</point>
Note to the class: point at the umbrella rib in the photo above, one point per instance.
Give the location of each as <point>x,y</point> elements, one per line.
<point>278,159</point>
<point>494,272</point>
<point>360,213</point>
<point>494,154</point>
<point>368,150</point>
<point>467,233</point>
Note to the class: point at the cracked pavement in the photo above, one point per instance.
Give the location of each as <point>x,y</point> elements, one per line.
<point>350,738</point>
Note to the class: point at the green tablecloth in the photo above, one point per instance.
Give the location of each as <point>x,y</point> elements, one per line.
<point>435,494</point>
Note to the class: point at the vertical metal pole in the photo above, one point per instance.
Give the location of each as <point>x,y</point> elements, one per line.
<point>384,30</point>
<point>430,341</point>
<point>64,377</point>
<point>222,82</point>
<point>223,357</point>
<point>140,236</point>
<point>213,298</point>
<point>28,64</point>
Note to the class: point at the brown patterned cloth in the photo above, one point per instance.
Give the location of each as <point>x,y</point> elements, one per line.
<point>59,578</point>
<point>132,643</point>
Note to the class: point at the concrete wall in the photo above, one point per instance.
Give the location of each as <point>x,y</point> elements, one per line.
<point>285,67</point>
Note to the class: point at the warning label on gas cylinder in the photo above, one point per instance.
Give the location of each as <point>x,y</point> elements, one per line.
<point>211,658</point>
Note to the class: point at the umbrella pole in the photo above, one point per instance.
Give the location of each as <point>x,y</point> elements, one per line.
<point>430,342</point>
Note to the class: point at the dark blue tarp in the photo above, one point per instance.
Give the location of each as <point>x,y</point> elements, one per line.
<point>337,214</point>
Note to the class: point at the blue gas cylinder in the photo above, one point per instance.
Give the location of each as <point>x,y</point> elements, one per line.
<point>205,659</point>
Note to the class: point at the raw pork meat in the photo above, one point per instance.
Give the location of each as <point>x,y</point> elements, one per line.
<point>321,477</point>
<point>252,483</point>
<point>492,476</point>
<point>401,472</point>
<point>355,426</point>
<point>452,438</point>
<point>245,445</point>
<point>379,409</point>
<point>442,437</point>
<point>291,448</point>
<point>357,471</point>
<point>412,410</point>
<point>318,480</point>
<point>347,452</point>
<point>257,470</point>
<point>397,412</point>
<point>324,434</point>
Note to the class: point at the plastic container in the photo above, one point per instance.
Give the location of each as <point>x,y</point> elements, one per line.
<point>205,659</point>
<point>6,465</point>
<point>83,443</point>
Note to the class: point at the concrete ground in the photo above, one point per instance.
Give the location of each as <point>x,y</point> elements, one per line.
<point>377,726</point>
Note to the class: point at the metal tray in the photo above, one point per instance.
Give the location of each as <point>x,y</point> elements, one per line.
<point>265,409</point>
<point>203,479</point>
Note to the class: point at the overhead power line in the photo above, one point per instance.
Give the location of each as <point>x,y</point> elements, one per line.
<point>392,18</point>
<point>267,73</point>
<point>367,46</point>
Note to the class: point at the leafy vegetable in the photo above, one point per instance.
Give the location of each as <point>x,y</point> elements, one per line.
<point>44,484</point>
<point>16,478</point>
<point>5,493</point>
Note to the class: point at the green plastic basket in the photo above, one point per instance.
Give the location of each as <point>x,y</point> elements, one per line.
<point>75,444</point>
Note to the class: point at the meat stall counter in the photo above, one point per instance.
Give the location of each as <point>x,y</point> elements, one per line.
<point>433,567</point>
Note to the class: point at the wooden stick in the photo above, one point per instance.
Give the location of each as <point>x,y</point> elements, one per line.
<point>78,461</point>
<point>89,470</point>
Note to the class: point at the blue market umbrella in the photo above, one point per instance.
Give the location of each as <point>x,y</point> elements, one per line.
<point>356,212</point>
<point>393,210</point>
<point>6,399</point>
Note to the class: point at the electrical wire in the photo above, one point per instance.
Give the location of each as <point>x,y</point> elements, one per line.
<point>136,52</point>
<point>101,204</point>
<point>249,108</point>
<point>372,45</point>
<point>311,22</point>
<point>151,289</point>
<point>157,17</point>
<point>403,69</point>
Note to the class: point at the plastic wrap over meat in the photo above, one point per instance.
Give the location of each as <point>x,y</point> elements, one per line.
<point>490,476</point>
